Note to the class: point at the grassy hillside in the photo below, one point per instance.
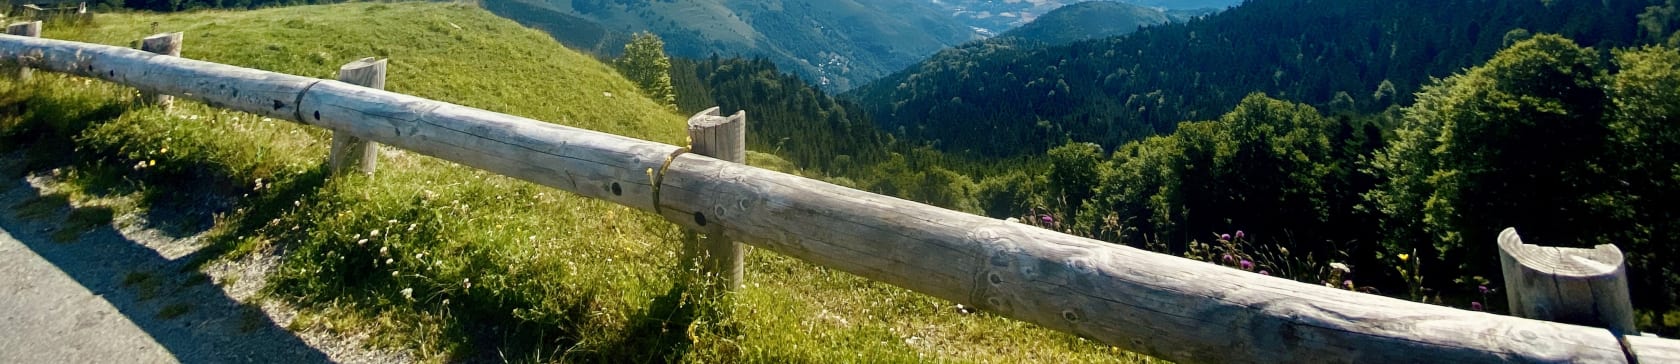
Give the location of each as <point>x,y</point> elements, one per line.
<point>453,263</point>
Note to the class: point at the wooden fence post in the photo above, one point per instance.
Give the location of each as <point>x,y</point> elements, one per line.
<point>1569,285</point>
<point>350,152</point>
<point>725,138</point>
<point>168,44</point>
<point>27,29</point>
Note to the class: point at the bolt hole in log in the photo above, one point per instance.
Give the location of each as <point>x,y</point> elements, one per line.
<point>317,114</point>
<point>1070,316</point>
<point>616,190</point>
<point>995,278</point>
<point>700,218</point>
<point>162,45</point>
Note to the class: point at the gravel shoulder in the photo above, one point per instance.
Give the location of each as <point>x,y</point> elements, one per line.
<point>122,292</point>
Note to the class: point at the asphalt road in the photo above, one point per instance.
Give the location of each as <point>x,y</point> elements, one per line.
<point>111,297</point>
<point>48,317</point>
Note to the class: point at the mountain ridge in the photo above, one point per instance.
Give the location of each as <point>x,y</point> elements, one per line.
<point>1017,98</point>
<point>834,44</point>
<point>1088,20</point>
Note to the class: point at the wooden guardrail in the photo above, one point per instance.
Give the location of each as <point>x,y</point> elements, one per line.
<point>1160,305</point>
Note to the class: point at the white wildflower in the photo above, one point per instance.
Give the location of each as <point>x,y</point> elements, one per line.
<point>1340,267</point>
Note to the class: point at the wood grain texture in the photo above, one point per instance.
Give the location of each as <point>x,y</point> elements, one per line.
<point>724,138</point>
<point>1160,305</point>
<point>168,44</point>
<point>25,29</point>
<point>349,153</point>
<point>259,92</point>
<point>1572,285</point>
<point>1652,349</point>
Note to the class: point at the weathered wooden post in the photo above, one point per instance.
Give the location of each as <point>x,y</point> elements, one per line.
<point>168,44</point>
<point>350,152</point>
<point>27,29</point>
<point>1569,285</point>
<point>725,138</point>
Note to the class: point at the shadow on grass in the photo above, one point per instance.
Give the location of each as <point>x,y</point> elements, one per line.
<point>658,334</point>
<point>192,320</point>
<point>258,211</point>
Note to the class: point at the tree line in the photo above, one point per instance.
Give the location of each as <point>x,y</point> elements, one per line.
<point>1545,137</point>
<point>1339,55</point>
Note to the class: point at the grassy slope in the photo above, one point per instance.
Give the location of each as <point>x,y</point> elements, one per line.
<point>455,263</point>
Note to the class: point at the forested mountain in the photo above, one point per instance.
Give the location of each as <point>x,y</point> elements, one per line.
<point>1086,21</point>
<point>576,33</point>
<point>992,17</point>
<point>826,136</point>
<point>788,117</point>
<point>1187,4</point>
<point>836,44</point>
<point>1566,145</point>
<point>1357,55</point>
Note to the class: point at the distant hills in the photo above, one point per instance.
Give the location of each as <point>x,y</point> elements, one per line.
<point>1003,98</point>
<point>993,17</point>
<point>1088,20</point>
<point>837,44</point>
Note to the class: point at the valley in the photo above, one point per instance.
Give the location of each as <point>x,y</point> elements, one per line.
<point>1367,147</point>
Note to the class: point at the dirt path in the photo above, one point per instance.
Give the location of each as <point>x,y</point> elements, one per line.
<point>124,294</point>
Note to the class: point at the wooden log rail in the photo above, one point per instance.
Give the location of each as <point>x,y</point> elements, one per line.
<point>1160,305</point>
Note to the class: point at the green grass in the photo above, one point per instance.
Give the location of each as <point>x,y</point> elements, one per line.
<point>450,262</point>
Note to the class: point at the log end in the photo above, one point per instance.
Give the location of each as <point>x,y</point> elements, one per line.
<point>364,63</point>
<point>1602,260</point>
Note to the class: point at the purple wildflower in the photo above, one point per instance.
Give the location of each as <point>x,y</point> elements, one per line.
<point>1224,236</point>
<point>1347,283</point>
<point>1228,259</point>
<point>1246,264</point>
<point>1265,273</point>
<point>1046,219</point>
<point>1239,234</point>
<point>1475,306</point>
<point>1484,289</point>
